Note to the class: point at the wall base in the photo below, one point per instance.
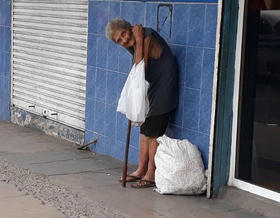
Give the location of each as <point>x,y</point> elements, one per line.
<point>50,127</point>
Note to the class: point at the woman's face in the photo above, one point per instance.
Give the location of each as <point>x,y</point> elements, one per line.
<point>124,37</point>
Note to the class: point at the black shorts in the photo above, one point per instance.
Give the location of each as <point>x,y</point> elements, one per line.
<point>155,126</point>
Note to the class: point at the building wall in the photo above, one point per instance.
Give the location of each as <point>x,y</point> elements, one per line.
<point>190,30</point>
<point>5,39</point>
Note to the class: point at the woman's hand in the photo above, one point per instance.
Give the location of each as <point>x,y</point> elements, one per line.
<point>138,33</point>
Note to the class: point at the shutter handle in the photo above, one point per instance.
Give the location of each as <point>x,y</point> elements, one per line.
<point>53,113</point>
<point>32,106</point>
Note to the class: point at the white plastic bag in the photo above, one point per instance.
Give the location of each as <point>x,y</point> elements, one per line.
<point>133,101</point>
<point>179,167</point>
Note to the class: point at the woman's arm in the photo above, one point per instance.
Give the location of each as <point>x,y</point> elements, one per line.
<point>147,41</point>
<point>145,47</point>
<point>138,33</point>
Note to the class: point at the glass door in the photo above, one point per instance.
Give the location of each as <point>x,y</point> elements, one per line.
<point>258,141</point>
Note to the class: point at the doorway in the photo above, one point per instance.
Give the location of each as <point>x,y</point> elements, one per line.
<point>257,151</point>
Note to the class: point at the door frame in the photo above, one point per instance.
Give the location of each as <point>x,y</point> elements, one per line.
<point>214,98</point>
<point>219,150</point>
<point>236,96</point>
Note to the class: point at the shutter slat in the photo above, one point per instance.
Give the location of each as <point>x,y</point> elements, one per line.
<point>51,29</point>
<point>31,42</point>
<point>47,4</point>
<point>57,44</point>
<point>49,21</point>
<point>50,77</point>
<point>44,8</point>
<point>49,55</point>
<point>58,16</point>
<point>49,61</point>
<point>39,35</point>
<point>55,69</point>
<point>56,27</point>
<point>36,18</point>
<point>55,102</point>
<point>52,1</point>
<point>40,81</point>
<point>62,75</point>
<point>44,87</point>
<point>79,101</point>
<point>53,49</point>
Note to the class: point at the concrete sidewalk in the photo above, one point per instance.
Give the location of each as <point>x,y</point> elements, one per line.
<point>15,204</point>
<point>94,179</point>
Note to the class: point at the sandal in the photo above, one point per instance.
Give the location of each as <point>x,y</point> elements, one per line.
<point>133,178</point>
<point>143,183</point>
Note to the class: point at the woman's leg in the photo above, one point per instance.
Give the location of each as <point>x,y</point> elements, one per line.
<point>152,146</point>
<point>143,158</point>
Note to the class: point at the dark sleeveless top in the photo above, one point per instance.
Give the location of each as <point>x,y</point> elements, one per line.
<point>162,75</point>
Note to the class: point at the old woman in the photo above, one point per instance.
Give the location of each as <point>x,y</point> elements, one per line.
<point>161,73</point>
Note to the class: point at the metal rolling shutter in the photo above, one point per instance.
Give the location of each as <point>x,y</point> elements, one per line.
<point>49,58</point>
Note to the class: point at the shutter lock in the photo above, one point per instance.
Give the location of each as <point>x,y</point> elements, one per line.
<point>45,113</point>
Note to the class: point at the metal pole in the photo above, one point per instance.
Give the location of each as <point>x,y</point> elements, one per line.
<point>126,154</point>
<point>85,146</point>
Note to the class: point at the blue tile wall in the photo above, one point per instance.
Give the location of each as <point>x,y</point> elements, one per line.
<point>102,15</point>
<point>92,50</point>
<point>99,117</point>
<point>5,47</point>
<point>180,24</point>
<point>134,12</point>
<point>100,84</point>
<point>91,81</point>
<point>112,95</point>
<point>101,52</point>
<point>192,41</point>
<point>113,56</point>
<point>114,10</point>
<point>151,10</point>
<point>210,21</point>
<point>196,25</point>
<point>121,127</point>
<point>191,110</point>
<point>193,67</point>
<point>124,60</point>
<point>180,52</point>
<point>110,121</point>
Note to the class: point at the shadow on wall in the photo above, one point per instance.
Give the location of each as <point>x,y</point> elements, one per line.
<point>190,30</point>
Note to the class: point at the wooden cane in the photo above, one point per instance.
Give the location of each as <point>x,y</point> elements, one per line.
<point>126,154</point>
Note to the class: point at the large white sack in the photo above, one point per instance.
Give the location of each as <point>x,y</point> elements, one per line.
<point>179,167</point>
<point>133,101</point>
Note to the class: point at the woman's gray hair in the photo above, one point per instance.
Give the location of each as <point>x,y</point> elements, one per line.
<point>113,25</point>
